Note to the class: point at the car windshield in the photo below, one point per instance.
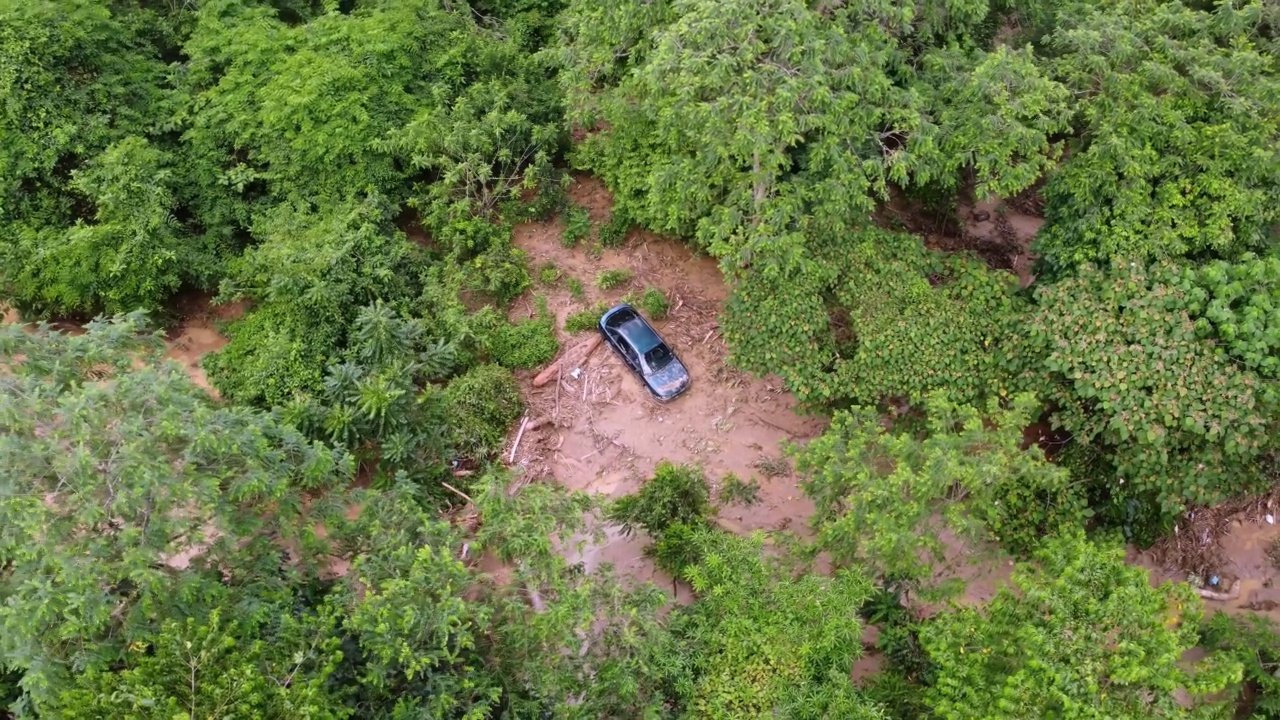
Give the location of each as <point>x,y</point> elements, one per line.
<point>658,358</point>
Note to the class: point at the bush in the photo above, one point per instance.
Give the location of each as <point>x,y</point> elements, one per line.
<point>273,356</point>
<point>654,303</point>
<point>610,279</point>
<point>526,344</point>
<point>481,406</point>
<point>614,232</point>
<point>675,494</point>
<point>499,272</point>
<point>1254,642</point>
<point>577,226</point>
<point>584,320</point>
<point>736,491</point>
<point>549,274</point>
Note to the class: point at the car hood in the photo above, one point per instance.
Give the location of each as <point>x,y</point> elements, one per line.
<point>670,380</point>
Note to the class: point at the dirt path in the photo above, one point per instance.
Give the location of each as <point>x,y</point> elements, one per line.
<point>608,434</point>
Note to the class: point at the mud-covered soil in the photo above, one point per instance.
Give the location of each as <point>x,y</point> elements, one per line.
<point>1244,554</point>
<point>196,333</point>
<point>606,434</point>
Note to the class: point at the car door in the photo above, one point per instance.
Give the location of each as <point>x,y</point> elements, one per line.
<point>623,347</point>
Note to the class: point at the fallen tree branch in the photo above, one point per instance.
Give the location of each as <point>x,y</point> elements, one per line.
<point>458,492</point>
<point>574,354</point>
<point>1232,594</point>
<point>516,445</point>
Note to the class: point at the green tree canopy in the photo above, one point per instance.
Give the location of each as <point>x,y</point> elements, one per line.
<point>1183,422</point>
<point>1178,131</point>
<point>130,500</point>
<point>883,500</point>
<point>1080,635</point>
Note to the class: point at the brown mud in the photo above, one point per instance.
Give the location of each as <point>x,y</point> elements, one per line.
<point>607,434</point>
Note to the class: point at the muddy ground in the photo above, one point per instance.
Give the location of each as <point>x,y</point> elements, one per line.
<point>607,433</point>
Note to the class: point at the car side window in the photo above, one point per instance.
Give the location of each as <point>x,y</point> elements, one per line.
<point>622,345</point>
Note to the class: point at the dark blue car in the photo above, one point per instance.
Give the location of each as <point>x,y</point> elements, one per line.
<point>633,338</point>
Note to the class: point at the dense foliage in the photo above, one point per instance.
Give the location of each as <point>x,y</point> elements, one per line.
<point>1183,421</point>
<point>1083,636</point>
<point>346,174</point>
<point>885,500</point>
<point>1176,126</point>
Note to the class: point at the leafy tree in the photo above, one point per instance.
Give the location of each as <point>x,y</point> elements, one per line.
<point>1127,372</point>
<point>883,499</point>
<point>727,122</point>
<point>308,279</point>
<point>374,404</point>
<point>676,494</point>
<point>1237,305</point>
<point>919,321</point>
<point>1253,641</point>
<point>85,201</point>
<point>992,117</point>
<point>1178,122</point>
<point>209,669</point>
<point>131,257</point>
<point>760,642</point>
<point>131,500</point>
<point>432,636</point>
<point>481,405</point>
<point>1081,635</point>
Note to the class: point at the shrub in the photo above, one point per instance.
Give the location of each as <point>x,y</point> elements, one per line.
<point>577,226</point>
<point>610,279</point>
<point>584,320</point>
<point>654,303</point>
<point>736,491</point>
<point>1254,642</point>
<point>614,232</point>
<point>499,272</point>
<point>481,405</point>
<point>526,344</point>
<point>274,355</point>
<point>675,494</point>
<point>549,274</point>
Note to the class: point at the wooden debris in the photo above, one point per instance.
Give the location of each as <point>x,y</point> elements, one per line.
<point>574,354</point>
<point>524,424</point>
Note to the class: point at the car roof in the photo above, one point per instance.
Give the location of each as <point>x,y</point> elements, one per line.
<point>631,325</point>
<point>639,334</point>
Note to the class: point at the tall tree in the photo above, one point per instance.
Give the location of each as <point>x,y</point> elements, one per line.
<point>883,500</point>
<point>130,499</point>
<point>1178,132</point>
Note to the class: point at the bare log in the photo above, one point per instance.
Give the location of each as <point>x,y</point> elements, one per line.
<point>574,354</point>
<point>1220,596</point>
<point>516,445</point>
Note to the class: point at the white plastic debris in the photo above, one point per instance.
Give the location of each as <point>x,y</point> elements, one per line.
<point>1271,519</point>
<point>575,373</point>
